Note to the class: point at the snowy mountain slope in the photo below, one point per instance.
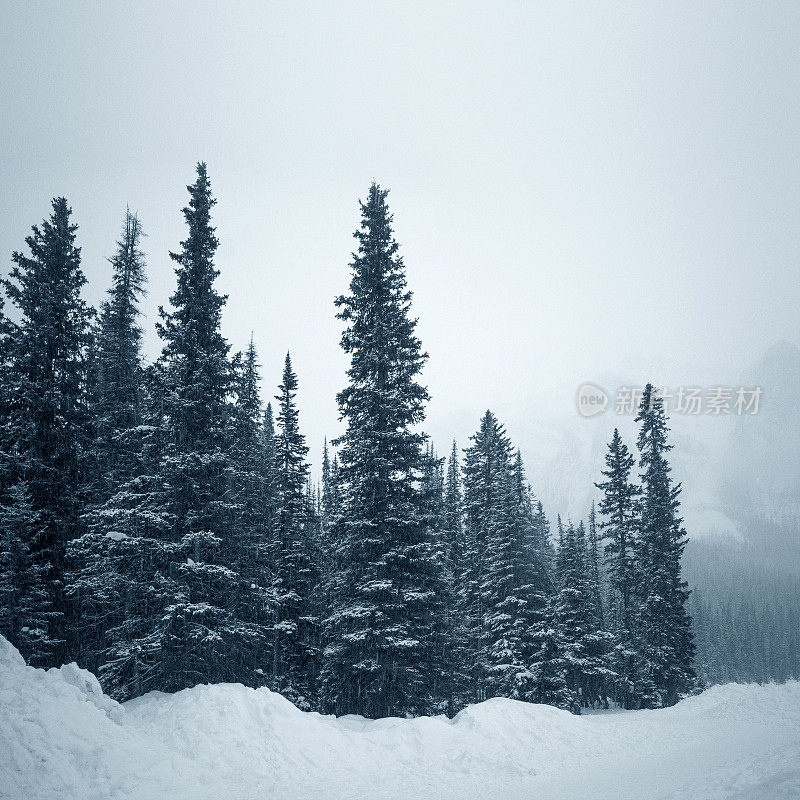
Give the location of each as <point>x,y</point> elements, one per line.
<point>61,738</point>
<point>740,474</point>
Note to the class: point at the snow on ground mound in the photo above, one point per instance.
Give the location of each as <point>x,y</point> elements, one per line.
<point>60,737</point>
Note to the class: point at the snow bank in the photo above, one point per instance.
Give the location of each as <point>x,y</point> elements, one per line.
<point>60,737</point>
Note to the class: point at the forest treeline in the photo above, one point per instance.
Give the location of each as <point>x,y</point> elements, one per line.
<point>159,526</point>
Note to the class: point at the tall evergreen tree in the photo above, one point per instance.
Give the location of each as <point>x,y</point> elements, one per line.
<point>330,507</point>
<point>542,537</point>
<point>486,465</point>
<point>248,549</point>
<point>295,648</point>
<point>329,496</point>
<point>378,632</point>
<point>116,404</point>
<point>593,544</point>
<point>585,644</point>
<point>117,412</point>
<point>456,684</point>
<point>453,512</point>
<point>666,626</point>
<point>619,526</point>
<point>507,585</point>
<point>169,533</point>
<point>47,429</point>
<point>443,671</point>
<point>201,638</point>
<point>542,680</point>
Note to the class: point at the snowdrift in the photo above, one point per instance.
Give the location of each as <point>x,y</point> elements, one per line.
<point>60,737</point>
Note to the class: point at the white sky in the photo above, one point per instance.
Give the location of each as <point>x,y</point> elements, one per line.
<point>579,189</point>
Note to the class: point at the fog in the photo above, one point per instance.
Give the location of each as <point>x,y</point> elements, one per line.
<point>579,190</point>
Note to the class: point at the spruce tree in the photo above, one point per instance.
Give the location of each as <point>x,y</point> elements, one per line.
<point>330,507</point>
<point>507,584</point>
<point>443,670</point>
<point>295,645</point>
<point>116,405</point>
<point>595,577</point>
<point>330,499</point>
<point>486,463</point>
<point>453,512</point>
<point>666,627</point>
<point>47,423</point>
<point>585,644</point>
<point>248,549</point>
<point>202,639</point>
<point>619,527</point>
<point>167,539</point>
<point>117,413</point>
<point>377,655</point>
<point>455,649</point>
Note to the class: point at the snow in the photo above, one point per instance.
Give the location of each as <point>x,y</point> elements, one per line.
<point>60,737</point>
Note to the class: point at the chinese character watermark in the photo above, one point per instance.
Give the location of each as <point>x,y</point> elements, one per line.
<point>713,401</point>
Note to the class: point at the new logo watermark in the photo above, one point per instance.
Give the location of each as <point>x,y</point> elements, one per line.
<point>591,400</point>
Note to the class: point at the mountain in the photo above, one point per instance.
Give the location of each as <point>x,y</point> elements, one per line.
<point>740,473</point>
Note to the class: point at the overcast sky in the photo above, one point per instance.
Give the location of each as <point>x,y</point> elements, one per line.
<point>578,189</point>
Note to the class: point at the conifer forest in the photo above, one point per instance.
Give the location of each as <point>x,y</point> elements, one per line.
<point>399,401</point>
<point>159,524</point>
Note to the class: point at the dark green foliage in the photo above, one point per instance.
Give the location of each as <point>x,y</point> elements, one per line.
<point>506,582</point>
<point>25,612</point>
<point>295,587</point>
<point>47,421</point>
<point>455,681</point>
<point>585,644</point>
<point>620,527</point>
<point>116,402</point>
<point>378,633</point>
<point>665,625</point>
<point>157,525</point>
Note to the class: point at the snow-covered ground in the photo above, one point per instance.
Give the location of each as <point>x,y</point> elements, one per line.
<point>61,738</point>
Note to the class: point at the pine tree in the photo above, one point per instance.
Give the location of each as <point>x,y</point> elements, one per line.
<point>442,669</point>
<point>248,549</point>
<point>666,627</point>
<point>330,508</point>
<point>378,632</point>
<point>118,410</point>
<point>507,584</point>
<point>455,651</point>
<point>585,644</point>
<point>115,457</point>
<point>295,646</point>
<point>618,505</point>
<point>166,541</point>
<point>202,639</point>
<point>453,512</point>
<point>270,461</point>
<point>47,428</point>
<point>330,498</point>
<point>486,464</point>
<point>595,578</point>
<point>508,587</point>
